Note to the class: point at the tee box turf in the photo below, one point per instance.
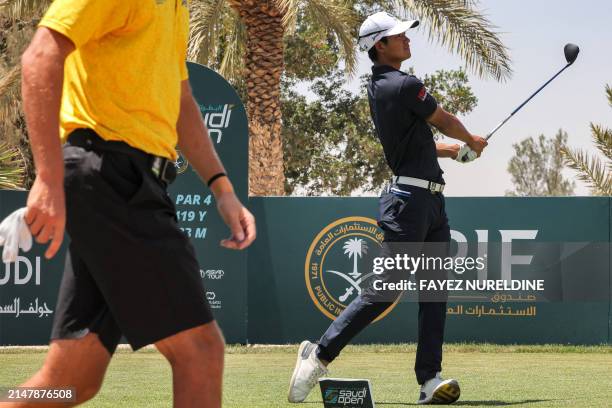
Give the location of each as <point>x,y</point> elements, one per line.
<point>346,393</point>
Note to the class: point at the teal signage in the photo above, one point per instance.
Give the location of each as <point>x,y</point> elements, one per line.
<point>302,270</point>
<point>28,288</point>
<point>223,271</point>
<point>292,295</point>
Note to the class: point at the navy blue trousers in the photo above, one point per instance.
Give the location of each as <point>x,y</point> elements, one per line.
<point>418,217</point>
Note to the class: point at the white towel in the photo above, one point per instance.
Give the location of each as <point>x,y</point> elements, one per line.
<point>14,234</point>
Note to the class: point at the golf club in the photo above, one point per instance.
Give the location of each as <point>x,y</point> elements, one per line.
<point>571,53</point>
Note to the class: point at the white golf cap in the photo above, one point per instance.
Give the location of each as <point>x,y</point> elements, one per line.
<point>381,25</point>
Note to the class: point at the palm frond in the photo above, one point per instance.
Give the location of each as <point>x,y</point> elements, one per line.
<point>290,10</point>
<point>339,18</point>
<point>590,169</point>
<point>602,137</point>
<point>205,18</point>
<point>469,3</point>
<point>23,9</point>
<point>231,64</point>
<point>11,167</point>
<point>465,31</point>
<point>9,94</point>
<point>609,94</point>
<point>10,80</point>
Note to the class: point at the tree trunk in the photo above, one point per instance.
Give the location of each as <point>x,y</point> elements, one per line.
<point>264,66</point>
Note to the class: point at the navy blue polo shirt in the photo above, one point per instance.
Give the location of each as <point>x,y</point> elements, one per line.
<point>399,105</point>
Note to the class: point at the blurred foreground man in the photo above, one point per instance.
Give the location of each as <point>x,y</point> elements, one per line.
<point>109,80</point>
<point>412,208</point>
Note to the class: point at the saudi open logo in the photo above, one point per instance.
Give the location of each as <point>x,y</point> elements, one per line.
<point>339,260</point>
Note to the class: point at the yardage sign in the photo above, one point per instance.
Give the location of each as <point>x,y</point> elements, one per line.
<point>223,271</point>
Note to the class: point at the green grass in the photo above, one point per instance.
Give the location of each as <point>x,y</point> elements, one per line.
<point>490,375</point>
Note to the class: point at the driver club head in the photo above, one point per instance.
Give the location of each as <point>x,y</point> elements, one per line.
<point>571,52</point>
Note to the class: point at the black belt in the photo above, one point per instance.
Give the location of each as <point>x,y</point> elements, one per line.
<point>164,169</point>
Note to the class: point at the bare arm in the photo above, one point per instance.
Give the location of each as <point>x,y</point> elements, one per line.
<point>199,150</point>
<point>42,79</point>
<point>447,150</point>
<point>196,145</point>
<point>448,124</point>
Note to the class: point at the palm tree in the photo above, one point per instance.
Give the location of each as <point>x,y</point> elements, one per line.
<point>355,248</point>
<point>593,170</point>
<point>11,161</point>
<point>256,31</point>
<point>15,34</point>
<point>11,167</point>
<point>244,40</point>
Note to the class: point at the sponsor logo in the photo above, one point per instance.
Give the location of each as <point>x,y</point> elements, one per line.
<point>214,303</point>
<point>346,393</point>
<point>508,257</point>
<point>336,261</point>
<point>213,274</point>
<point>36,308</point>
<point>217,118</point>
<point>422,94</point>
<point>331,396</point>
<point>24,271</point>
<point>352,396</point>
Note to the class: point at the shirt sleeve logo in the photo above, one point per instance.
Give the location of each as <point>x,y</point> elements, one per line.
<point>422,94</point>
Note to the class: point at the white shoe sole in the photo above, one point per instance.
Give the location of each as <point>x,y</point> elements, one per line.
<point>299,360</point>
<point>446,393</point>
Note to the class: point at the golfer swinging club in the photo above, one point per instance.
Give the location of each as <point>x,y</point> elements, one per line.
<point>411,209</point>
<point>110,78</point>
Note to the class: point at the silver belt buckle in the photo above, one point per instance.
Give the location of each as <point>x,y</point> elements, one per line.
<point>159,168</point>
<point>435,187</point>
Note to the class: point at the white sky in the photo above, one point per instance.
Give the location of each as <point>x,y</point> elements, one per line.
<point>535,32</point>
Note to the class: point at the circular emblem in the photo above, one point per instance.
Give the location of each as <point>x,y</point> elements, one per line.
<point>337,260</point>
<point>181,163</point>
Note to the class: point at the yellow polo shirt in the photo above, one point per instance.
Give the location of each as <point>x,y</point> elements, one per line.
<point>124,78</point>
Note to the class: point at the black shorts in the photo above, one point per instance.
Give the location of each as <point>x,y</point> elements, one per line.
<point>129,269</point>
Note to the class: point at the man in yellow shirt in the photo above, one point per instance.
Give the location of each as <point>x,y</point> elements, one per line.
<point>109,79</point>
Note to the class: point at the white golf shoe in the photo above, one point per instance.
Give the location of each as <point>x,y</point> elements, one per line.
<point>308,370</point>
<point>439,391</point>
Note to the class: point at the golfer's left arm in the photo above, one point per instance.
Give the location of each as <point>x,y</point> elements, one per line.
<point>198,149</point>
<point>451,126</point>
<point>447,150</point>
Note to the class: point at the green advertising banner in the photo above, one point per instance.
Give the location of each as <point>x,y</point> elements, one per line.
<point>307,250</point>
<point>223,271</point>
<point>28,288</point>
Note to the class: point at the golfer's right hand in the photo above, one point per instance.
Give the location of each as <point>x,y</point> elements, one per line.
<point>477,144</point>
<point>46,214</point>
<point>240,221</point>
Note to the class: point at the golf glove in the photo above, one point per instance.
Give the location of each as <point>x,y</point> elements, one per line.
<point>14,234</point>
<point>466,154</point>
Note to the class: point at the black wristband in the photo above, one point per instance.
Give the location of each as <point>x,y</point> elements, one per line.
<point>215,177</point>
